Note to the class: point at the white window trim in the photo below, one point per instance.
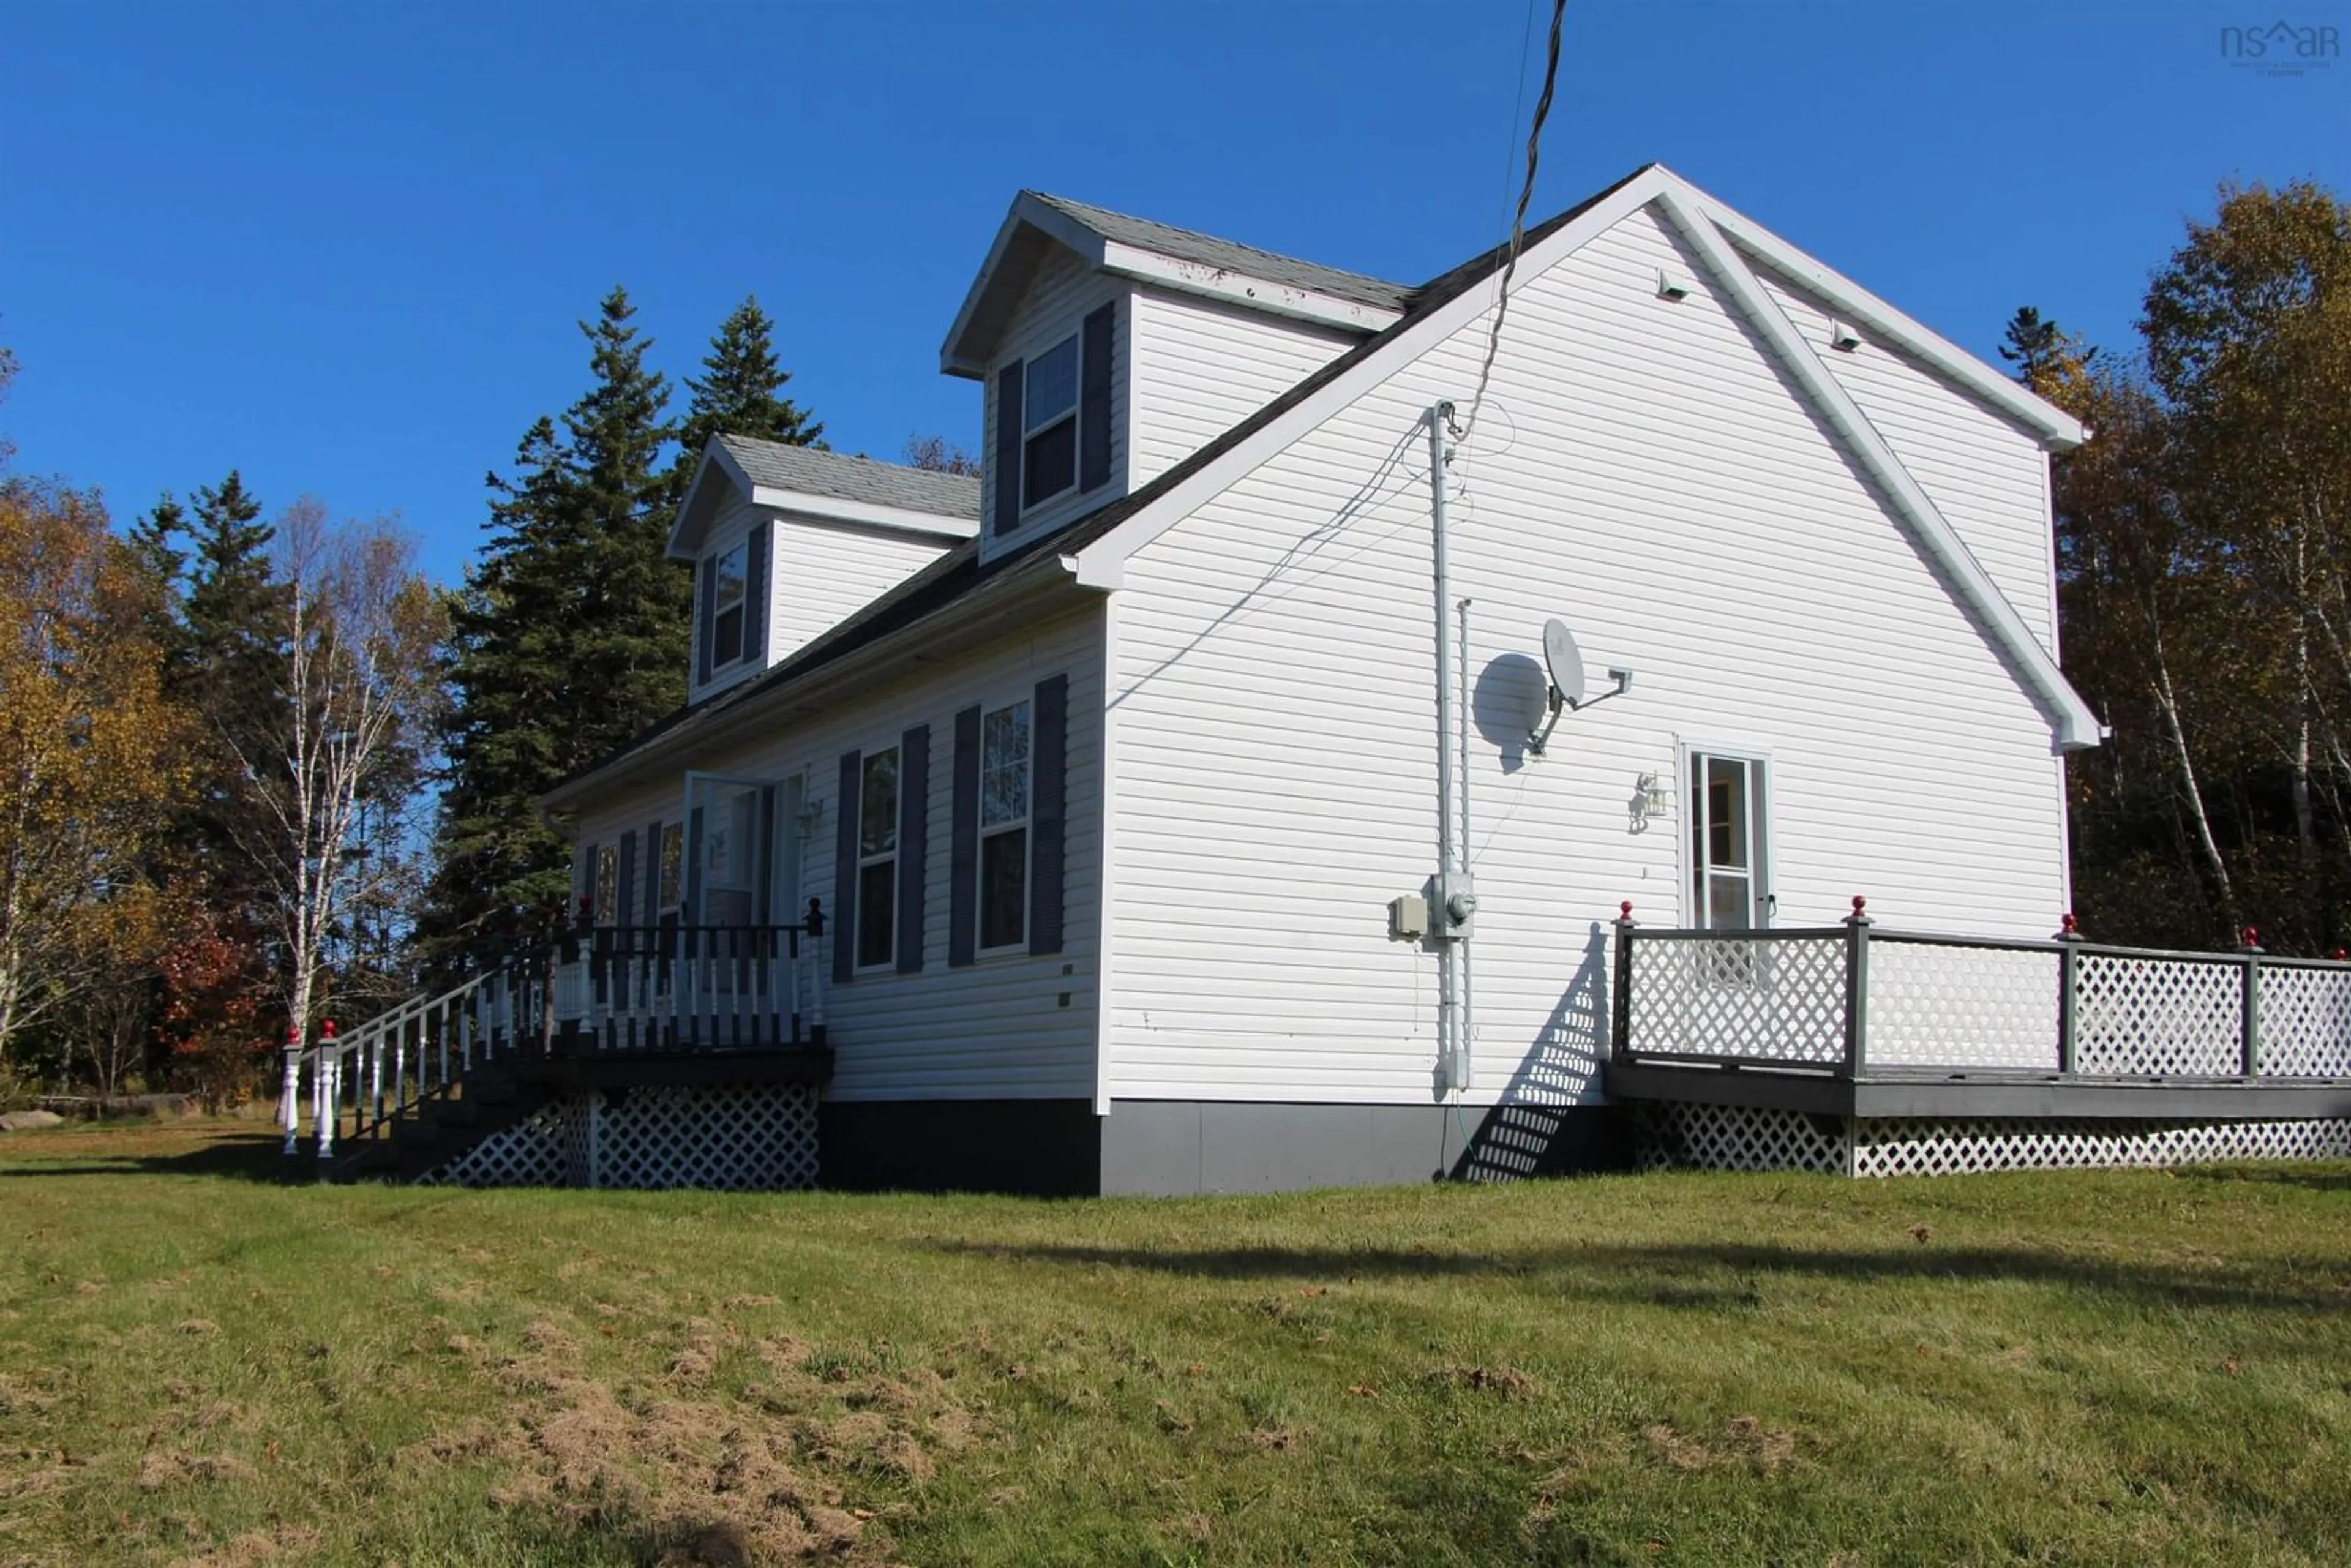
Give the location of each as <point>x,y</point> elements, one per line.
<point>1686,879</point>
<point>1026,825</point>
<point>1030,432</point>
<point>889,961</point>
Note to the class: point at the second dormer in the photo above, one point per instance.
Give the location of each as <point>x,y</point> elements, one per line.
<point>787,542</point>
<point>1112,348</point>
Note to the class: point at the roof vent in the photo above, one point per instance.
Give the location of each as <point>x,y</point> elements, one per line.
<point>1672,286</point>
<point>1843,338</point>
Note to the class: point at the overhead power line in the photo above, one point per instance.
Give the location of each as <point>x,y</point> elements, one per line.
<point>1519,219</point>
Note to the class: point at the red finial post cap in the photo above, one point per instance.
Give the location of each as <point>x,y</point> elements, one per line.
<point>2339,953</point>
<point>2069,925</point>
<point>327,1029</point>
<point>1860,905</point>
<point>293,1034</point>
<point>2252,938</point>
<point>1624,910</point>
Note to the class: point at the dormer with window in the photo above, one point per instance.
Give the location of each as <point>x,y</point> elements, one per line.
<point>1111,349</point>
<point>787,543</point>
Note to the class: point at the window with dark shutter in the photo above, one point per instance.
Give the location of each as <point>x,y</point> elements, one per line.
<point>1005,735</point>
<point>1093,400</point>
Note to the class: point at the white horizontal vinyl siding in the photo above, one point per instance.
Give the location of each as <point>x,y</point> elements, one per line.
<point>1060,296</point>
<point>1201,367</point>
<point>1640,469</point>
<point>1986,475</point>
<point>824,572</point>
<point>1011,1027</point>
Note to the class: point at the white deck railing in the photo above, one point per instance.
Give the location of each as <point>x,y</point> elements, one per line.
<point>1849,999</point>
<point>594,991</point>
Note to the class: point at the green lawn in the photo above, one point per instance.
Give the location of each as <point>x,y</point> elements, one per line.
<point>197,1365</point>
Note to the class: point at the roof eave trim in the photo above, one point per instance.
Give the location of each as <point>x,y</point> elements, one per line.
<point>2075,727</point>
<point>1247,290</point>
<point>866,514</point>
<point>2058,430</point>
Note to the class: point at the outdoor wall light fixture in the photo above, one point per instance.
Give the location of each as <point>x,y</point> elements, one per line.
<point>1654,801</point>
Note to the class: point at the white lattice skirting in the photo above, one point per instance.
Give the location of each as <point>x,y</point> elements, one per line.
<point>1743,1138</point>
<point>741,1137</point>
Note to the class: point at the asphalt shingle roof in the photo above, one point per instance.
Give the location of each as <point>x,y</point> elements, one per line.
<point>1230,256</point>
<point>845,478</point>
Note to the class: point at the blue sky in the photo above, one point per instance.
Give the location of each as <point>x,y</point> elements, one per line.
<point>342,247</point>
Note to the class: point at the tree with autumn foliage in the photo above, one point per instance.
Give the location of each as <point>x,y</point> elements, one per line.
<point>2204,540</point>
<point>91,757</point>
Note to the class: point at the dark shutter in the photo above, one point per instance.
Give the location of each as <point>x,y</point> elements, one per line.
<point>1007,447</point>
<point>755,592</point>
<point>583,875</point>
<point>691,893</point>
<point>841,918</point>
<point>914,842</point>
<point>625,904</point>
<point>705,625</point>
<point>653,872</point>
<point>1048,813</point>
<point>1093,399</point>
<point>962,853</point>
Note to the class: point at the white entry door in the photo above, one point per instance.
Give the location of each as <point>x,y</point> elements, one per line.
<point>1730,861</point>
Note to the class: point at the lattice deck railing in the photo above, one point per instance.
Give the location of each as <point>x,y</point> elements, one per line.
<point>595,989</point>
<point>1850,1001</point>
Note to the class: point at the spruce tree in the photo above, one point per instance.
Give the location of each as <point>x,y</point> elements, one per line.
<point>228,667</point>
<point>741,390</point>
<point>569,637</point>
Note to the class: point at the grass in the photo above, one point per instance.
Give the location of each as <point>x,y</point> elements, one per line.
<point>198,1366</point>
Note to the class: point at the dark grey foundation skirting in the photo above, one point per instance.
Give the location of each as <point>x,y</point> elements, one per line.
<point>1170,1147</point>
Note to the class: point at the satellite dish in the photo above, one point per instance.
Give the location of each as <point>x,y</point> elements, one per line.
<point>1565,660</point>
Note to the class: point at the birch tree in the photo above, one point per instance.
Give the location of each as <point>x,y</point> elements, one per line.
<point>360,695</point>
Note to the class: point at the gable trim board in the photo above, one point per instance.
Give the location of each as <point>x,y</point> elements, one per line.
<point>1099,562</point>
<point>2077,727</point>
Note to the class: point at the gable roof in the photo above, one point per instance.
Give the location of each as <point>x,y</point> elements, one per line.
<point>1090,551</point>
<point>808,471</point>
<point>823,484</point>
<point>1230,255</point>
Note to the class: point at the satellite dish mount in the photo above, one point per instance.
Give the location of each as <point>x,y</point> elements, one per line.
<point>1567,692</point>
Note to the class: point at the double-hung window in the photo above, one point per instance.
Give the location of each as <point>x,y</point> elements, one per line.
<point>1004,798</point>
<point>729,608</point>
<point>1049,451</point>
<point>877,856</point>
